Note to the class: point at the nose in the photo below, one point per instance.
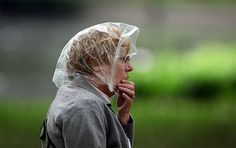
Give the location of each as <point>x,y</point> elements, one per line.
<point>129,67</point>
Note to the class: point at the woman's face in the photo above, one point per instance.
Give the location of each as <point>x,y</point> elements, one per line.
<point>117,69</point>
<point>122,67</point>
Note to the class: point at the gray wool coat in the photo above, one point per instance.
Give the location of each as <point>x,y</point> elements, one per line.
<point>80,117</point>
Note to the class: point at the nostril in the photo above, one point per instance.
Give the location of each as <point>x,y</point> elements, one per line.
<point>129,68</point>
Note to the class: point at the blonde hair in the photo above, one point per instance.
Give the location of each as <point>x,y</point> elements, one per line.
<point>93,49</point>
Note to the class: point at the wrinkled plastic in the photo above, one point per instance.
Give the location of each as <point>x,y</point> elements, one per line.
<point>91,49</point>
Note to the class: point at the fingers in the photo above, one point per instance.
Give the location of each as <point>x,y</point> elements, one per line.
<point>128,101</point>
<point>127,91</point>
<point>128,82</point>
<point>125,100</point>
<point>125,107</point>
<point>125,85</point>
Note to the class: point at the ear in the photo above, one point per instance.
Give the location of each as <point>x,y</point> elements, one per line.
<point>94,65</point>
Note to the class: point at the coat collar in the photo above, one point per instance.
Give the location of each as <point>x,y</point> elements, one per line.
<point>81,81</point>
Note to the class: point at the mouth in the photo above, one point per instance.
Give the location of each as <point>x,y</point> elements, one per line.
<point>127,78</point>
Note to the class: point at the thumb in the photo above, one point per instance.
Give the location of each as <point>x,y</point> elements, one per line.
<point>126,101</point>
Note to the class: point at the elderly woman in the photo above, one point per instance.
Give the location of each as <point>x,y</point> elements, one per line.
<point>92,67</point>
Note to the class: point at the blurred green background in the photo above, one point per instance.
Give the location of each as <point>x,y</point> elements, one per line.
<point>184,72</point>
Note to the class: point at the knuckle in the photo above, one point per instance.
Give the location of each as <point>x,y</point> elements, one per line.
<point>132,83</point>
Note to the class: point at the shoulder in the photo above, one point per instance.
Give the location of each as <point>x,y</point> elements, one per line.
<point>73,99</point>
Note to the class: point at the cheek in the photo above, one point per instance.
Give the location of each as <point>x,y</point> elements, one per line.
<point>120,73</point>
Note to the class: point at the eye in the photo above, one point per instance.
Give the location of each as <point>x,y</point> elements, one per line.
<point>126,59</point>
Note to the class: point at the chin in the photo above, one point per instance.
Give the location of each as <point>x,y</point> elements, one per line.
<point>112,93</point>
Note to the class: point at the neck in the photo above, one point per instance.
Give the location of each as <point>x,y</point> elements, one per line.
<point>99,84</point>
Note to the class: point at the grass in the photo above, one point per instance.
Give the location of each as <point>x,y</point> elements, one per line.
<point>20,122</point>
<point>181,123</point>
<point>159,122</point>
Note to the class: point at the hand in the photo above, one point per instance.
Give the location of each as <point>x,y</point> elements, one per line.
<point>125,99</point>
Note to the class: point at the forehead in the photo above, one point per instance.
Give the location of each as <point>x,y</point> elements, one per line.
<point>125,47</point>
<point>123,51</point>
